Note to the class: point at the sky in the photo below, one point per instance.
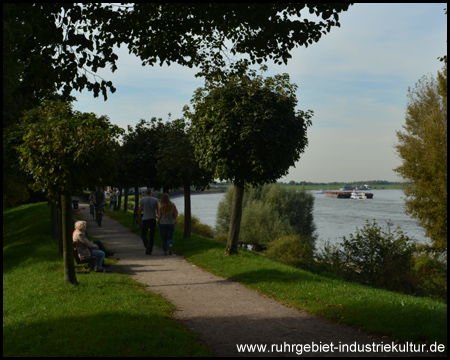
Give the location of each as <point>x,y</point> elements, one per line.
<point>355,79</point>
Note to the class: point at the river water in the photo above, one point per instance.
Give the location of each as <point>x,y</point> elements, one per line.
<point>334,218</point>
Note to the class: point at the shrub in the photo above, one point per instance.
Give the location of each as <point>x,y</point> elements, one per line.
<point>294,205</point>
<point>374,257</point>
<point>269,212</point>
<point>260,225</point>
<point>224,213</point>
<point>291,250</point>
<point>431,271</point>
<point>331,260</point>
<point>197,227</point>
<point>223,237</point>
<point>203,230</point>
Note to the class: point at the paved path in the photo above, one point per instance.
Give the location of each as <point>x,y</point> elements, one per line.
<point>223,313</point>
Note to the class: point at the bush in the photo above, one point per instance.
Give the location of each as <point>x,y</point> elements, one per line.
<point>331,260</point>
<point>375,257</point>
<point>224,213</point>
<point>223,238</point>
<point>260,225</point>
<point>291,250</point>
<point>294,205</point>
<point>197,227</point>
<point>269,212</point>
<point>431,271</point>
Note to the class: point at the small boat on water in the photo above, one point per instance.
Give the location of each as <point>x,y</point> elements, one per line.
<point>320,192</point>
<point>361,195</point>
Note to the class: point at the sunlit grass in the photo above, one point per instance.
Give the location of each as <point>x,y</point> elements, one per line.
<point>106,315</point>
<point>400,316</point>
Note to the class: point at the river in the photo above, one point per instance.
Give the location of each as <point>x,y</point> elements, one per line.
<point>334,218</point>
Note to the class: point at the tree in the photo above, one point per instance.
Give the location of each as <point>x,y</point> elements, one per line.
<point>65,150</point>
<point>196,34</point>
<point>177,166</point>
<point>59,47</point>
<point>422,148</point>
<point>140,148</point>
<point>62,45</point>
<point>245,129</point>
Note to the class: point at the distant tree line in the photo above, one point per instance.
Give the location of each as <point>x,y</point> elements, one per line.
<point>338,183</point>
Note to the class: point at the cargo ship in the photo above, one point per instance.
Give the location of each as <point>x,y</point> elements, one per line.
<point>339,194</point>
<point>345,194</point>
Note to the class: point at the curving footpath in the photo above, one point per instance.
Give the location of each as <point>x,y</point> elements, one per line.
<point>224,313</point>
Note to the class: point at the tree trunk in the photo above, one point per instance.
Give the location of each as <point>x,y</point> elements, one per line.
<point>235,222</point>
<point>60,233</point>
<point>187,211</point>
<point>67,229</point>
<point>54,220</point>
<point>55,216</point>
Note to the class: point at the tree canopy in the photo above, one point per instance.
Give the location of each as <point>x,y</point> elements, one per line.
<point>140,147</point>
<point>245,129</point>
<point>177,166</point>
<point>61,46</point>
<point>65,150</point>
<point>51,49</point>
<point>422,147</point>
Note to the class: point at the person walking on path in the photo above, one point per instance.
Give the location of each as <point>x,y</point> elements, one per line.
<point>112,201</point>
<point>99,201</point>
<point>167,213</point>
<point>150,205</point>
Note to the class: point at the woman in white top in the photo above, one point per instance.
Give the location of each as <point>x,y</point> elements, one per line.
<point>167,213</point>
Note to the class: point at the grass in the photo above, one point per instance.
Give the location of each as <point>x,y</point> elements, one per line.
<point>377,311</point>
<point>113,316</point>
<point>106,315</point>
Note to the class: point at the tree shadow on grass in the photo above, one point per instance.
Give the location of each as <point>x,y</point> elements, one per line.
<point>273,275</point>
<point>103,334</point>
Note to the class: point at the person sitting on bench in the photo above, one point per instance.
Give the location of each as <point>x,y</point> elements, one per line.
<point>86,247</point>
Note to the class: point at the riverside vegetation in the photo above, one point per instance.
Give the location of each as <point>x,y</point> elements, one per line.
<point>138,323</point>
<point>401,316</point>
<point>279,220</point>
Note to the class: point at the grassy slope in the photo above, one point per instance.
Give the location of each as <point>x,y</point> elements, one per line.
<point>106,315</point>
<point>403,317</point>
<point>111,315</point>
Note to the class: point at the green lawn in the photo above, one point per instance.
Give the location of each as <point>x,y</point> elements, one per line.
<point>110,315</point>
<point>374,310</point>
<point>404,317</point>
<point>106,315</point>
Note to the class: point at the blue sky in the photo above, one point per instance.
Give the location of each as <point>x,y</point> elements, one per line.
<point>355,79</point>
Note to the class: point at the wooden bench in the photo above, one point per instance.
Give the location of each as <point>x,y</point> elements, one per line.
<point>83,259</point>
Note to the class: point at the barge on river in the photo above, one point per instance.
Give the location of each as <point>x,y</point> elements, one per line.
<point>346,194</point>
